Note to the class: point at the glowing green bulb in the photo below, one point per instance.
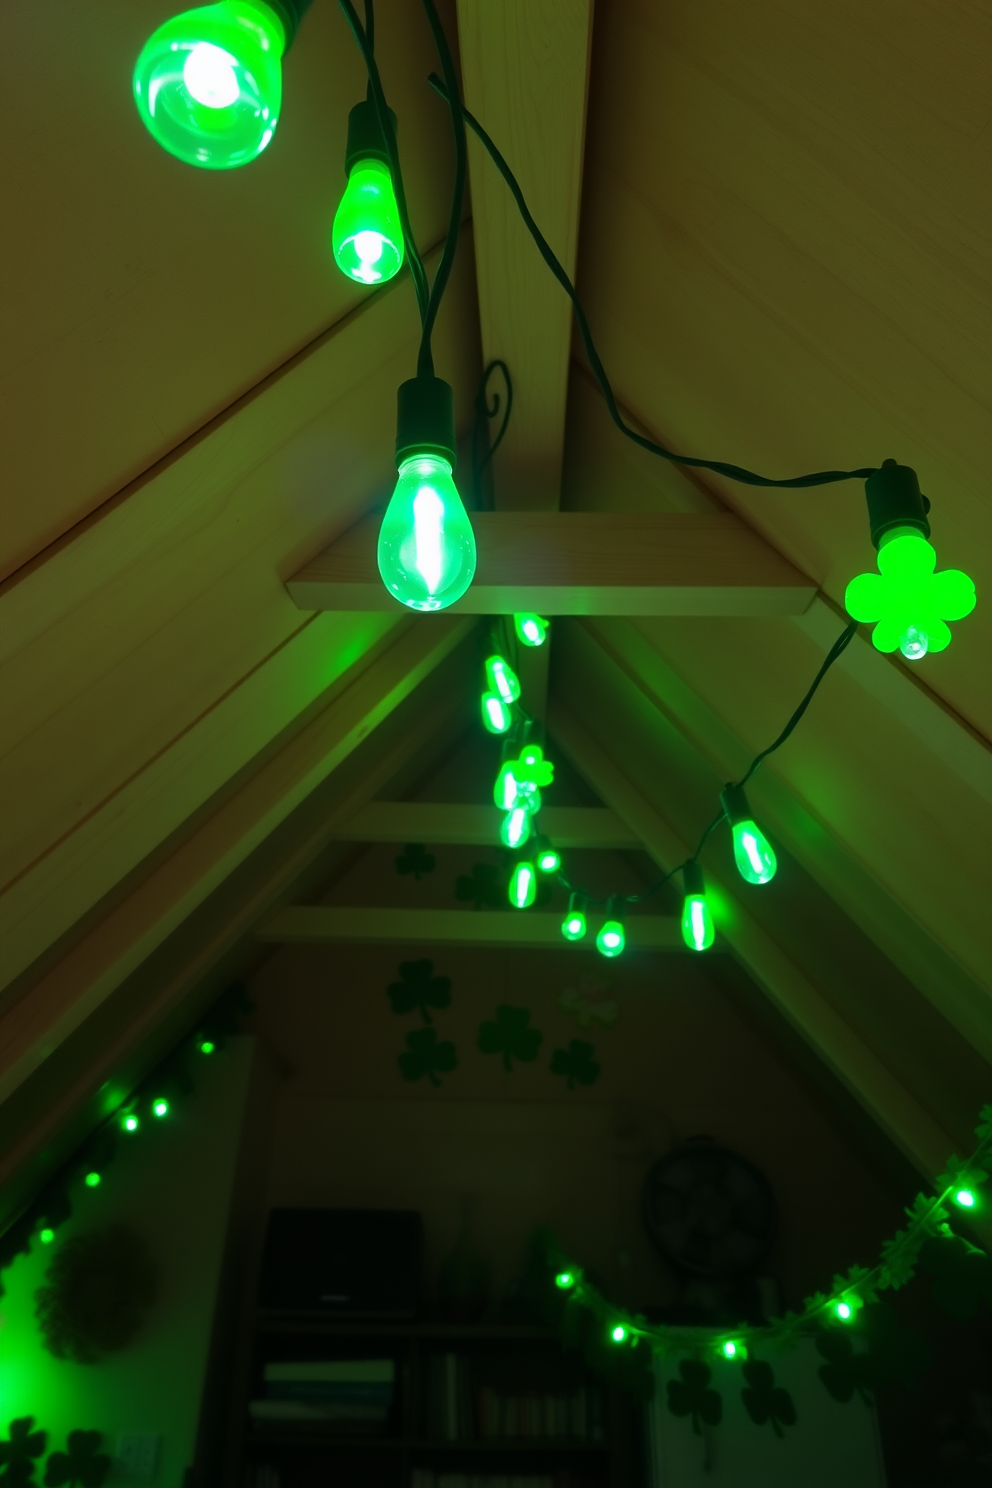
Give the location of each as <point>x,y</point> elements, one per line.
<point>208,83</point>
<point>46,1236</point>
<point>729,1349</point>
<point>611,939</point>
<point>523,886</point>
<point>160,1107</point>
<point>506,791</point>
<point>367,236</point>
<point>573,926</point>
<point>618,1333</point>
<point>565,1280</point>
<point>965,1198</point>
<point>495,714</point>
<point>909,601</point>
<point>548,857</point>
<point>844,1311</point>
<point>502,679</point>
<point>531,629</point>
<point>753,853</point>
<point>130,1122</point>
<point>92,1180</point>
<point>207,1046</point>
<point>697,921</point>
<point>426,551</point>
<point>515,827</point>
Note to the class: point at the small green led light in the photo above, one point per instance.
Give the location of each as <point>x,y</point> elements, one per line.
<point>729,1349</point>
<point>619,1333</point>
<point>426,551</point>
<point>612,938</point>
<point>502,679</point>
<point>909,601</point>
<point>160,1107</point>
<point>965,1198</point>
<point>92,1180</point>
<point>523,886</point>
<point>367,237</point>
<point>565,1280</point>
<point>844,1311</point>
<point>46,1236</point>
<point>531,629</point>
<point>515,827</point>
<point>548,860</point>
<point>496,716</point>
<point>130,1122</point>
<point>207,1046</point>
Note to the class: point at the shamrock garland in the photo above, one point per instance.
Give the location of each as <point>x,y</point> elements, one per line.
<point>614,1339</point>
<point>83,1465</point>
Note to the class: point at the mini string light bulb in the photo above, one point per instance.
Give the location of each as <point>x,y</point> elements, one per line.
<point>909,601</point>
<point>548,856</point>
<point>426,551</point>
<point>731,1349</point>
<point>573,926</point>
<point>160,1107</point>
<point>697,920</point>
<point>47,1235</point>
<point>515,828</point>
<point>506,791</point>
<point>531,629</point>
<point>753,853</point>
<point>844,1310</point>
<point>523,885</point>
<point>130,1122</point>
<point>965,1198</point>
<point>565,1280</point>
<point>618,1333</point>
<point>502,679</point>
<point>207,1046</point>
<point>92,1179</point>
<point>612,937</point>
<point>367,236</point>
<point>496,716</point>
<point>208,82</point>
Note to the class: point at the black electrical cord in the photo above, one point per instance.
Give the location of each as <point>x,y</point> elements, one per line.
<point>425,361</point>
<point>719,467</point>
<point>417,271</point>
<point>836,651</point>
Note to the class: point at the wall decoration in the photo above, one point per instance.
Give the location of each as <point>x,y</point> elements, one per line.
<point>589,1003</point>
<point>83,1465</point>
<point>765,1401</point>
<point>415,859</point>
<point>19,1453</point>
<point>691,1395</point>
<point>419,989</point>
<point>576,1063</point>
<point>484,887</point>
<point>97,1291</point>
<point>511,1036</point>
<point>427,1055</point>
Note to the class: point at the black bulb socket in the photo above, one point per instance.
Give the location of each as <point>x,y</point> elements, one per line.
<point>291,13</point>
<point>425,419</point>
<point>365,139</point>
<point>693,880</point>
<point>895,500</point>
<point>735,804</point>
<point>616,908</point>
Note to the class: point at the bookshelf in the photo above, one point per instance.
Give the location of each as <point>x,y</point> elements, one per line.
<point>473,1406</point>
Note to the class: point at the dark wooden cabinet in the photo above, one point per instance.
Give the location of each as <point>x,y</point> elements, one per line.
<point>474,1403</point>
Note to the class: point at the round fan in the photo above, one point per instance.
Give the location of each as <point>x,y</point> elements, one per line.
<point>709,1211</point>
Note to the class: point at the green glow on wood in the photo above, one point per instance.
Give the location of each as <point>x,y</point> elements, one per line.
<point>753,853</point>
<point>502,679</point>
<point>495,714</point>
<point>909,601</point>
<point>523,886</point>
<point>697,923</point>
<point>367,237</point>
<point>531,629</point>
<point>426,551</point>
<point>208,83</point>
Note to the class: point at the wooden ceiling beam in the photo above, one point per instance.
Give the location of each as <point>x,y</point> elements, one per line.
<point>582,563</point>
<point>440,823</point>
<point>324,924</point>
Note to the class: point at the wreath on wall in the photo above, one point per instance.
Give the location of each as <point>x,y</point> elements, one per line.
<point>98,1289</point>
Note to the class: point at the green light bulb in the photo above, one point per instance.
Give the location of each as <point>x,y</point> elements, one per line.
<point>426,550</point>
<point>531,629</point>
<point>130,1122</point>
<point>207,1046</point>
<point>844,1311</point>
<point>367,236</point>
<point>46,1236</point>
<point>208,83</point>
<point>506,791</point>
<point>965,1198</point>
<point>549,860</point>
<point>729,1349</point>
<point>495,714</point>
<point>618,1333</point>
<point>573,926</point>
<point>565,1280</point>
<point>92,1180</point>
<point>502,679</point>
<point>909,601</point>
<point>611,939</point>
<point>515,827</point>
<point>523,886</point>
<point>160,1107</point>
<point>753,853</point>
<point>697,920</point>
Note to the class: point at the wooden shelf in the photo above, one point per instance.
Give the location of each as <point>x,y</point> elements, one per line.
<point>455,1332</point>
<point>305,1433</point>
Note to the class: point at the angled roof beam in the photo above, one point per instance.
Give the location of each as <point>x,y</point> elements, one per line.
<point>440,822</point>
<point>323,924</point>
<point>582,563</point>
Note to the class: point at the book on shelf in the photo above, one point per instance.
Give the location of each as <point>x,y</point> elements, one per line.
<point>427,1478</point>
<point>460,1409</point>
<point>354,1394</point>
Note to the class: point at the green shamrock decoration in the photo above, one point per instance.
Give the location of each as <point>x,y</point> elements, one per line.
<point>691,1395</point>
<point>415,859</point>
<point>532,769</point>
<point>17,1455</point>
<point>908,600</point>
<point>845,1370</point>
<point>576,1063</point>
<point>419,988</point>
<point>484,888</point>
<point>962,1275</point>
<point>764,1400</point>
<point>82,1466</point>
<point>426,1056</point>
<point>510,1036</point>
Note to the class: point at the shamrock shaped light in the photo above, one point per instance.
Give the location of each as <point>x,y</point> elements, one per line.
<point>909,602</point>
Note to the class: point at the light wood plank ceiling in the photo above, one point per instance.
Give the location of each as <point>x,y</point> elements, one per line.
<point>781,238</point>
